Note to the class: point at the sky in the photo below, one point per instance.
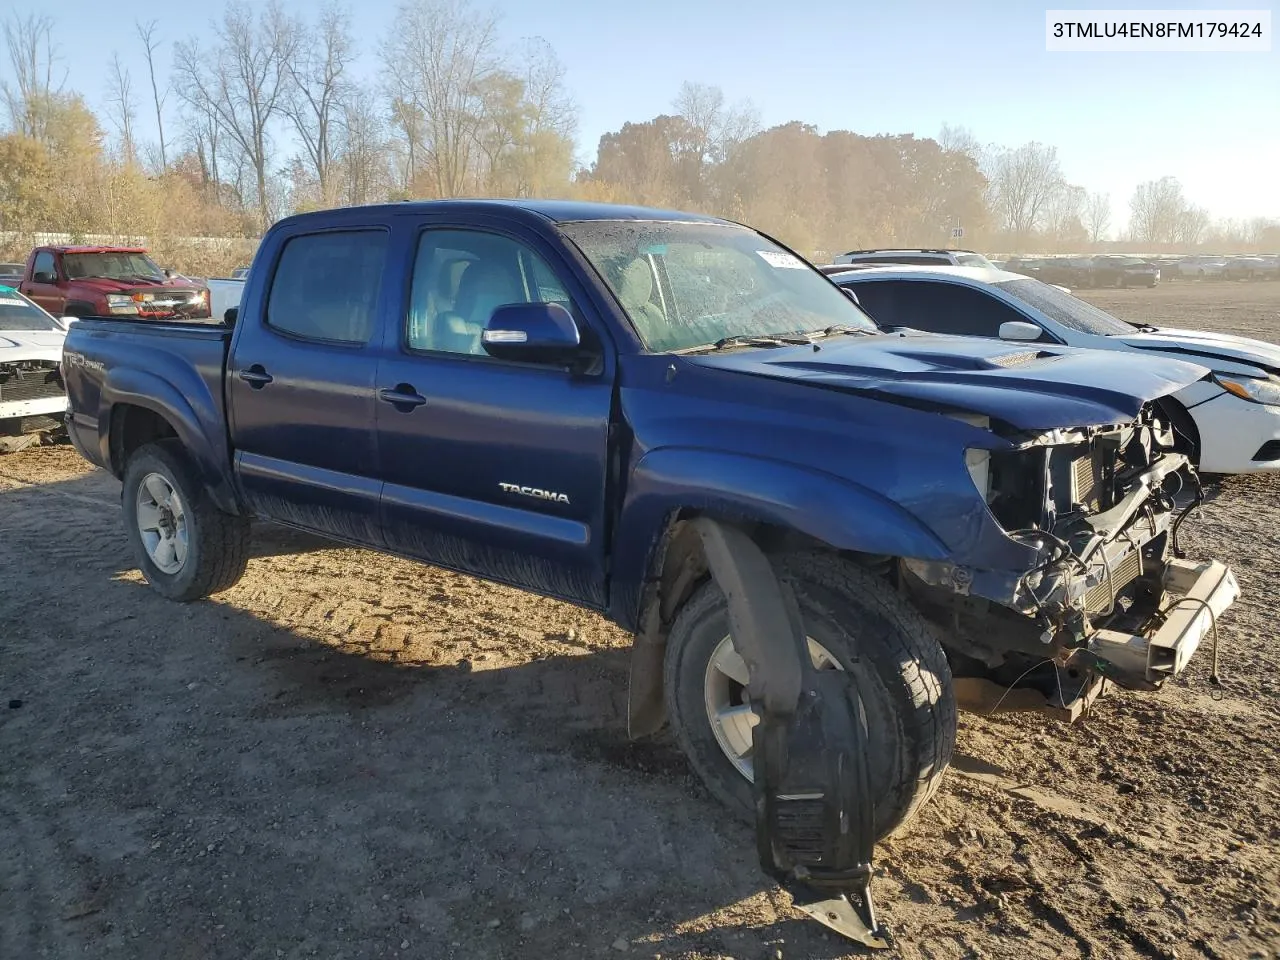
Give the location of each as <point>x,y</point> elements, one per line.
<point>1117,119</point>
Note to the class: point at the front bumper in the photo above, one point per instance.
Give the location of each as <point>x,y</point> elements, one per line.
<point>1197,595</point>
<point>15,410</point>
<point>1234,431</point>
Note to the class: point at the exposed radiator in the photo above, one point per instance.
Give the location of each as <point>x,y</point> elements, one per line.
<point>1123,573</point>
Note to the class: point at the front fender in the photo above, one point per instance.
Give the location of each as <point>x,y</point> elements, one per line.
<point>745,488</point>
<point>196,424</point>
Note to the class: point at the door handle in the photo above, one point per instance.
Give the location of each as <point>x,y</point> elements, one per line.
<point>256,376</point>
<point>402,396</point>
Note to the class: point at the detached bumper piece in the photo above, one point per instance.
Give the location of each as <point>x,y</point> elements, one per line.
<point>1199,594</point>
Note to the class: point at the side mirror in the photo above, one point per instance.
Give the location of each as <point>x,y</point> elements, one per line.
<point>230,315</point>
<point>43,276</point>
<point>1019,330</point>
<point>532,333</point>
<point>848,292</point>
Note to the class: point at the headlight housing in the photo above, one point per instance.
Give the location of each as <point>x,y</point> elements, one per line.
<point>121,303</point>
<point>1253,389</point>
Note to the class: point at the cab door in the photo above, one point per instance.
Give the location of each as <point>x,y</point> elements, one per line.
<point>491,467</point>
<point>300,382</point>
<point>48,293</point>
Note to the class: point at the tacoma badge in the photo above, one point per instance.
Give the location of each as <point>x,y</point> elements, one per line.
<point>536,492</point>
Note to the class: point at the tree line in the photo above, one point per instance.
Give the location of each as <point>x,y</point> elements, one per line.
<point>262,114</point>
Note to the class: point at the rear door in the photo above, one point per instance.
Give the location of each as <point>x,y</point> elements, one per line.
<point>301,383</point>
<point>491,467</point>
<point>50,296</point>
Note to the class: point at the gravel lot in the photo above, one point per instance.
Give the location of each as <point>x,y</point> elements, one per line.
<point>349,755</point>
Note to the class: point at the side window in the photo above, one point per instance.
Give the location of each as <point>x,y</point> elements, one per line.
<point>951,308</point>
<point>44,262</point>
<point>326,285</point>
<point>460,277</point>
<point>877,299</point>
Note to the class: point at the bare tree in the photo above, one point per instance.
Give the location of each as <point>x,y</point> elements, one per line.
<point>147,34</point>
<point>245,83</point>
<point>1191,226</point>
<point>436,60</point>
<point>960,140</point>
<point>1156,210</point>
<point>318,88</point>
<point>122,108</point>
<point>363,159</point>
<point>1097,216</point>
<point>32,55</point>
<point>1023,182</point>
<point>1064,214</point>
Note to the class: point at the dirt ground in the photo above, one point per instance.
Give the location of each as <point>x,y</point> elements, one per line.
<point>349,755</point>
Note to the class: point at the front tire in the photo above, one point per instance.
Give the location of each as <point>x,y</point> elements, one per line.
<point>184,545</point>
<point>854,621</point>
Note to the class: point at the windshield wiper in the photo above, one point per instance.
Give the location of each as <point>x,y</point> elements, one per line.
<point>759,340</point>
<point>843,329</point>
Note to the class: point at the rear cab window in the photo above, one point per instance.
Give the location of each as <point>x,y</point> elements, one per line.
<point>326,285</point>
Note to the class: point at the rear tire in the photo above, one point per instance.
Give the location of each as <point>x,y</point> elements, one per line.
<point>184,545</point>
<point>860,623</point>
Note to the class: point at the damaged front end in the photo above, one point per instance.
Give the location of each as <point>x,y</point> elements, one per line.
<point>1108,597</point>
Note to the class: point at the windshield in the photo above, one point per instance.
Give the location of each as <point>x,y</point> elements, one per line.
<point>19,313</point>
<point>691,284</point>
<point>1071,312</point>
<point>973,260</point>
<point>115,266</point>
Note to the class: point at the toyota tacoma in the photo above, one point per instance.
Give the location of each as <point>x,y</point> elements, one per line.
<point>823,535</point>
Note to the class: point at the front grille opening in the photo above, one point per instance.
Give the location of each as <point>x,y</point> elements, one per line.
<point>30,380</point>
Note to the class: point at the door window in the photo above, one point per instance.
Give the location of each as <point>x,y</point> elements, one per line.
<point>937,307</point>
<point>326,286</point>
<point>44,263</point>
<point>460,277</point>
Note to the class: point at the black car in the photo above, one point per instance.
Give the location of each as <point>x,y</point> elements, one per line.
<point>1116,271</point>
<point>1066,271</point>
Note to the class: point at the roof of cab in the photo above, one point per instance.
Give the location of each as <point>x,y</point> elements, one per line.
<point>556,211</point>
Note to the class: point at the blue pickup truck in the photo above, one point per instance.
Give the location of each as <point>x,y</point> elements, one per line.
<point>676,421</point>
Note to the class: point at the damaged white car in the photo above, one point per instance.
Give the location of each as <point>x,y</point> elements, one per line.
<point>33,399</point>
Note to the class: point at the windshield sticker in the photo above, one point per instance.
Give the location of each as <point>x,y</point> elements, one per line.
<point>776,258</point>
<point>12,302</point>
<point>654,250</point>
<point>4,289</point>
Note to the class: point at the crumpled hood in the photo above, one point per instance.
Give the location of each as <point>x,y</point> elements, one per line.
<point>31,345</point>
<point>1205,348</point>
<point>1028,386</point>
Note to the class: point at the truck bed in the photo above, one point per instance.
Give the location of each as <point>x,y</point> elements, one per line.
<point>173,367</point>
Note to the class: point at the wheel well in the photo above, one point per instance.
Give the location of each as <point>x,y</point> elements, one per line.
<point>132,427</point>
<point>1186,434</point>
<point>678,567</point>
